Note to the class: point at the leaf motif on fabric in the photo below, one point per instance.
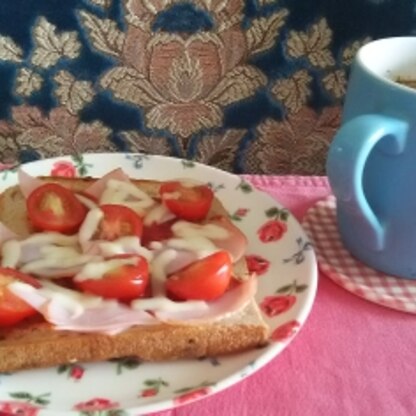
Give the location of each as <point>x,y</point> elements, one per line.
<point>25,117</point>
<point>155,145</point>
<point>312,44</point>
<point>104,34</point>
<point>295,145</point>
<point>186,81</point>
<point>9,149</point>
<point>92,137</point>
<point>237,84</point>
<point>185,120</point>
<point>51,46</point>
<point>73,94</point>
<point>219,150</point>
<point>28,82</point>
<point>59,132</point>
<point>349,52</point>
<point>264,31</point>
<point>129,85</point>
<point>336,83</point>
<point>293,92</point>
<point>9,50</point>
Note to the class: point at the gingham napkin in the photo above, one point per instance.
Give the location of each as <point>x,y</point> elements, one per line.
<point>337,263</point>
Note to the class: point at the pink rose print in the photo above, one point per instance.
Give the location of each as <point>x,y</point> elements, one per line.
<point>192,395</point>
<point>257,264</point>
<point>241,212</point>
<point>152,387</point>
<point>63,168</point>
<point>272,230</point>
<point>285,331</point>
<point>95,404</point>
<point>149,392</point>
<point>15,408</point>
<point>274,305</point>
<point>76,372</point>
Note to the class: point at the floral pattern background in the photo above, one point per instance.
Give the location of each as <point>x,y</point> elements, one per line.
<point>249,86</point>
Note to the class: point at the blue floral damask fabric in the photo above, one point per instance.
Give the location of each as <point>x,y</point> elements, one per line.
<point>252,86</point>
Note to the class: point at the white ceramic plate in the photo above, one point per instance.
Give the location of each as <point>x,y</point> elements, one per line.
<point>287,273</point>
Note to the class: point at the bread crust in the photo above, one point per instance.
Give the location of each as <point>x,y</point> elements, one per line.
<point>34,343</point>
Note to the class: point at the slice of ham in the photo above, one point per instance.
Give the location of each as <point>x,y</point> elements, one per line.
<point>97,188</point>
<point>7,234</point>
<point>65,310</point>
<point>111,318</point>
<point>28,183</point>
<point>231,302</point>
<point>235,243</point>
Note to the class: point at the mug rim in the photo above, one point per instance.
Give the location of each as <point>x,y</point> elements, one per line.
<point>363,51</point>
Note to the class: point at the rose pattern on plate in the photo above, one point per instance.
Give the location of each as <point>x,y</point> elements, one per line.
<point>99,406</point>
<point>275,305</point>
<point>64,168</point>
<point>286,331</point>
<point>275,228</point>
<point>190,394</point>
<point>152,387</point>
<point>239,214</point>
<point>272,230</point>
<point>257,264</point>
<point>15,408</point>
<point>283,301</point>
<point>73,371</point>
<point>24,403</point>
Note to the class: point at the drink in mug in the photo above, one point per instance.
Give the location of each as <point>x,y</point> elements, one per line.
<point>371,163</point>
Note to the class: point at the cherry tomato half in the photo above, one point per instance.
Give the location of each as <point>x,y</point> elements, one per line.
<point>205,279</point>
<point>190,203</point>
<point>12,308</point>
<point>119,221</point>
<point>51,207</point>
<point>124,283</point>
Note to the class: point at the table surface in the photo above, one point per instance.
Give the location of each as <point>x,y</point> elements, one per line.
<point>352,357</point>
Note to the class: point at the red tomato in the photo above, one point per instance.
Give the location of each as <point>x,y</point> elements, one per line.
<point>205,279</point>
<point>51,207</point>
<point>157,232</point>
<point>187,203</point>
<point>124,283</point>
<point>118,221</point>
<point>12,308</point>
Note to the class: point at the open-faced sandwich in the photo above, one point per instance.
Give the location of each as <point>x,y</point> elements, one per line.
<point>94,269</point>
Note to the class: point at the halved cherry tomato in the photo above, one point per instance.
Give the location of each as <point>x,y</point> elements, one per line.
<point>118,221</point>
<point>205,279</point>
<point>188,203</point>
<point>51,207</point>
<point>157,232</point>
<point>12,308</point>
<point>125,283</point>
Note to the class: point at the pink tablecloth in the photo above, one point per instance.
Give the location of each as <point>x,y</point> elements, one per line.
<point>351,358</point>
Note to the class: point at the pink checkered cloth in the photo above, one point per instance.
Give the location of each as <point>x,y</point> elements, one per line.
<point>352,357</point>
<point>337,263</point>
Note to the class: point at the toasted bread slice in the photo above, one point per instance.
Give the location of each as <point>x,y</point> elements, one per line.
<point>34,343</point>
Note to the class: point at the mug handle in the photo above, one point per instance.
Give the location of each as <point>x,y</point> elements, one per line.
<point>346,160</point>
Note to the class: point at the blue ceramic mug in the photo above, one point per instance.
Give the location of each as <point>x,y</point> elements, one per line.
<point>372,161</point>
